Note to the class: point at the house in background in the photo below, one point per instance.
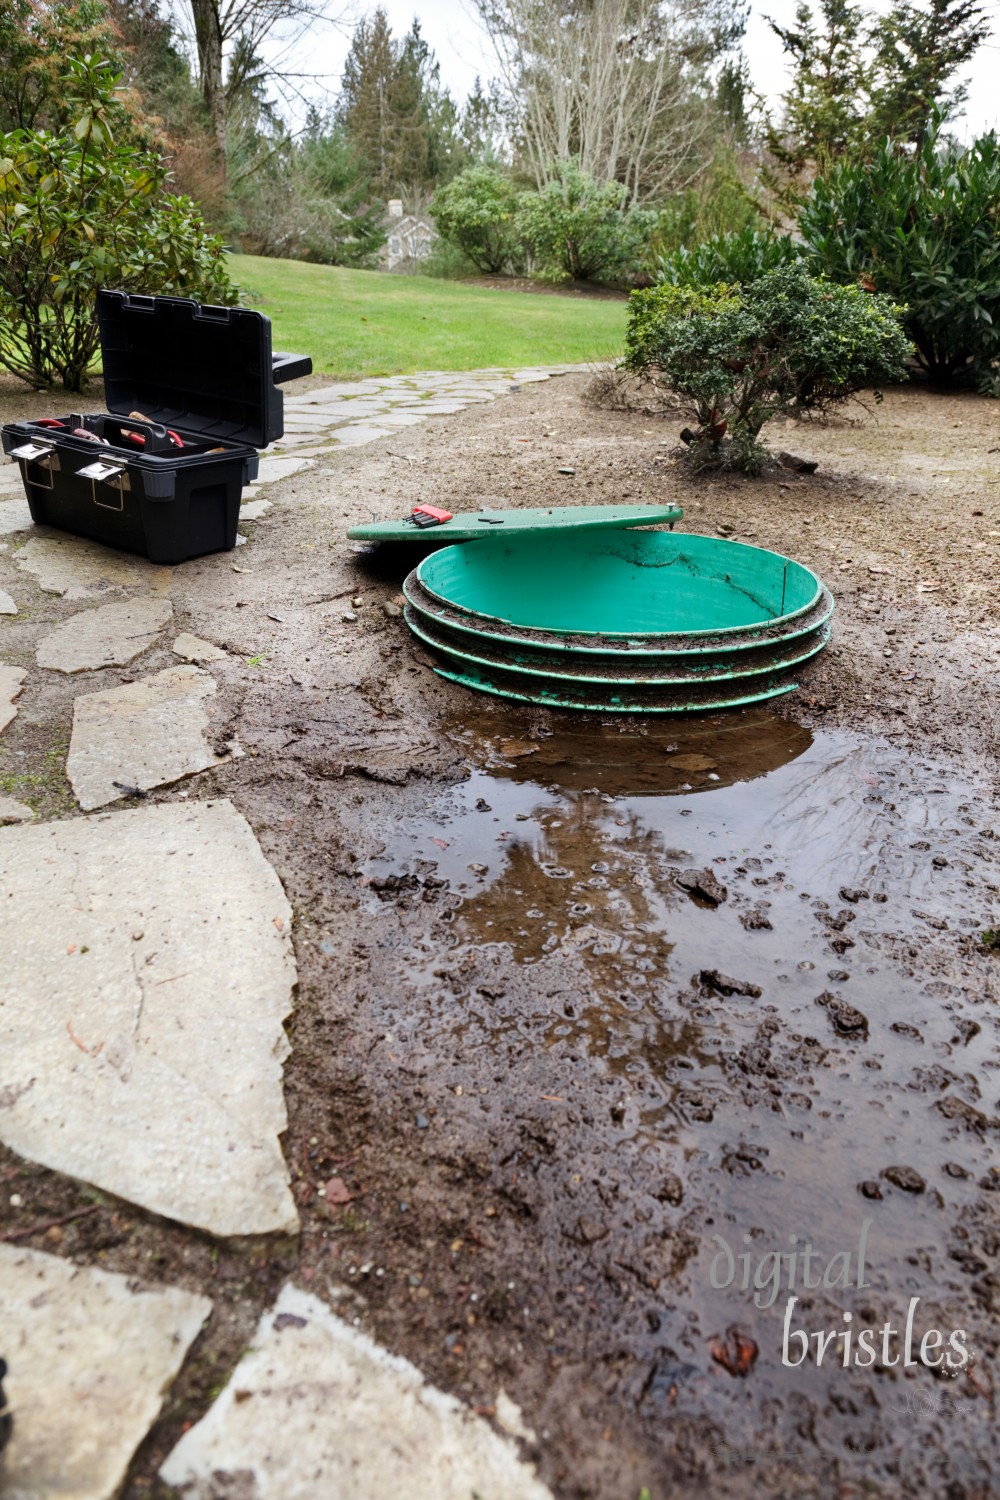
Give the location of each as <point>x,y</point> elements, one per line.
<point>409,237</point>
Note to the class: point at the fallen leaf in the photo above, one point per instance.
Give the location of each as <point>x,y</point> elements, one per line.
<point>928,586</point>
<point>736,1353</point>
<point>693,762</point>
<point>337,1191</point>
<point>289,1320</point>
<point>516,749</point>
<point>441,843</point>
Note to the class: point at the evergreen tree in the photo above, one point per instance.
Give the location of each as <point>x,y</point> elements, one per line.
<point>919,49</point>
<point>858,80</point>
<point>401,122</point>
<point>826,109</point>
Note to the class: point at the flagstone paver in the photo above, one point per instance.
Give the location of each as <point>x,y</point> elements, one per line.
<point>12,811</point>
<point>79,569</point>
<point>252,510</point>
<point>11,682</point>
<point>91,1357</point>
<point>350,414</point>
<point>144,734</point>
<point>147,973</point>
<point>111,635</point>
<point>14,512</point>
<point>192,648</point>
<point>7,605</point>
<point>316,1408</point>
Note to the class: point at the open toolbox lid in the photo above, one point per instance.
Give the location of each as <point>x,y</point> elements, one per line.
<point>207,370</point>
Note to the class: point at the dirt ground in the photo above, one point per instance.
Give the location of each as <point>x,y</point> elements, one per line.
<point>554,1079</point>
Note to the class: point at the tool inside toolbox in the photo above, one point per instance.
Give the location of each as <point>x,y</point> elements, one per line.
<point>129,435</point>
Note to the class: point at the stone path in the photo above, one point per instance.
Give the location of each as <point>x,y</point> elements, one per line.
<point>363,411</point>
<point>142,1043</point>
<point>315,1408</point>
<point>91,1357</point>
<point>141,1036</point>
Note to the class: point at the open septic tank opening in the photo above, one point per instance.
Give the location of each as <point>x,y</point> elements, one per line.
<point>643,621</point>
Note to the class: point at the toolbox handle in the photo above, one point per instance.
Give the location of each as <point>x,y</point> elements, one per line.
<point>158,439</point>
<point>289,367</point>
<point>209,312</point>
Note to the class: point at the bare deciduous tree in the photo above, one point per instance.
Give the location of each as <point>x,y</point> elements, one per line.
<point>619,84</point>
<point>215,27</point>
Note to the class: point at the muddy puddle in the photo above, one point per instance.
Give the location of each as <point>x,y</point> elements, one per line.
<point>728,977</point>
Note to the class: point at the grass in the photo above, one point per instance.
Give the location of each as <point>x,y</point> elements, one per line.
<point>356,323</point>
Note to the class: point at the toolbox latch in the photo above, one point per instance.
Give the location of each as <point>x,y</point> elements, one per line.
<point>32,452</point>
<point>112,478</point>
<point>45,459</point>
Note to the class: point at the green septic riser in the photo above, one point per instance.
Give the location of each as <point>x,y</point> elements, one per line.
<point>645,621</point>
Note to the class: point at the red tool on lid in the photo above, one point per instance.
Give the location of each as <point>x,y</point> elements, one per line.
<point>429,515</point>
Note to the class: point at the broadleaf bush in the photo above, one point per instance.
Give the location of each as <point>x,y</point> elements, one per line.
<point>740,355</point>
<point>924,228</point>
<point>578,229</point>
<point>739,257</point>
<point>85,206</point>
<point>477,212</point>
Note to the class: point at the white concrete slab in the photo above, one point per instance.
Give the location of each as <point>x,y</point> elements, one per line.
<point>11,682</point>
<point>109,636</point>
<point>91,1357</point>
<point>14,515</point>
<point>11,482</point>
<point>252,510</point>
<point>317,1409</point>
<point>354,434</point>
<point>77,568</point>
<point>275,468</point>
<point>192,648</point>
<point>12,811</point>
<point>143,734</point>
<point>141,1010</point>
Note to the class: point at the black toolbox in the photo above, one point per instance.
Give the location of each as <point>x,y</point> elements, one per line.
<point>192,394</point>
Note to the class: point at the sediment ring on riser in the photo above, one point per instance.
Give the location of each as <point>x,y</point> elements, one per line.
<point>490,654</point>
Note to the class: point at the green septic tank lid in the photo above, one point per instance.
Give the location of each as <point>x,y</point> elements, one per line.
<point>474,525</point>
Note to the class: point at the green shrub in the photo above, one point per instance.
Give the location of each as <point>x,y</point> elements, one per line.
<point>477,213</point>
<point>582,230</point>
<point>81,208</point>
<point>446,262</point>
<point>737,258</point>
<point>720,203</point>
<point>742,355</point>
<point>925,229</point>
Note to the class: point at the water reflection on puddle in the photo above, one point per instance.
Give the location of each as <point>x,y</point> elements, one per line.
<point>662,906</point>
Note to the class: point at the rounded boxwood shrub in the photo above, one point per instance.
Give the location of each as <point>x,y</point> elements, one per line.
<point>741,355</point>
<point>579,229</point>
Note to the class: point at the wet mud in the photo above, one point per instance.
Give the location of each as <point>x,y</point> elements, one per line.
<point>733,974</point>
<point>590,1007</point>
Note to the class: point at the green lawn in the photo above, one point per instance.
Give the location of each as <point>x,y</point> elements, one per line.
<point>357,323</point>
